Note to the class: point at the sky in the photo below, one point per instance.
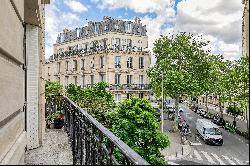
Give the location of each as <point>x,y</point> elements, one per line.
<point>218,21</point>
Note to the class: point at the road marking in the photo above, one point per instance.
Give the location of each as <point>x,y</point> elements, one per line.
<point>208,157</point>
<point>218,159</point>
<point>228,159</point>
<point>238,161</point>
<point>195,143</point>
<point>197,155</point>
<point>172,163</point>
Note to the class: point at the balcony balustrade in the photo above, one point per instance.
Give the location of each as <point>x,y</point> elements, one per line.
<point>113,87</point>
<point>91,142</point>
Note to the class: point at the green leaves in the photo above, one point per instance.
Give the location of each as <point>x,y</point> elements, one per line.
<point>135,123</point>
<point>53,88</point>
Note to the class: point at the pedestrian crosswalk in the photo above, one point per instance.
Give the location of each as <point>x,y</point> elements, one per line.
<point>214,159</point>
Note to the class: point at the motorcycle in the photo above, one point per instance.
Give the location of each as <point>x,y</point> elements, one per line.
<point>185,130</point>
<point>218,120</point>
<point>208,115</point>
<point>202,113</point>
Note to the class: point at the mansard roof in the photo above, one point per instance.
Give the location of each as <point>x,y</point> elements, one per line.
<point>108,24</point>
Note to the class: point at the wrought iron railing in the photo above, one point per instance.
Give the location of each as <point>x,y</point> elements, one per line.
<point>91,142</point>
<point>125,86</point>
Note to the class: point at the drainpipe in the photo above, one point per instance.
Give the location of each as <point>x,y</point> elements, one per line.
<point>25,75</point>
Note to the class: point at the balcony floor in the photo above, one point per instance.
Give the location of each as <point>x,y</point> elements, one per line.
<point>55,150</point>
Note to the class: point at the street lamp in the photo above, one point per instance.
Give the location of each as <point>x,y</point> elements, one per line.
<point>162,119</point>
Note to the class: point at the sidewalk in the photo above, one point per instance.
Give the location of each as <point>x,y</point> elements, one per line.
<point>241,125</point>
<point>176,150</point>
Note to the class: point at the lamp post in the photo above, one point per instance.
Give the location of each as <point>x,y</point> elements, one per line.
<point>162,119</point>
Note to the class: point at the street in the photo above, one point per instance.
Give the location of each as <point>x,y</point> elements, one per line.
<point>234,151</point>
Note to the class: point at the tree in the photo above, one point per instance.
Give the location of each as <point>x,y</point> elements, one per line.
<point>53,88</point>
<point>134,122</point>
<point>235,111</point>
<point>97,100</point>
<point>181,59</point>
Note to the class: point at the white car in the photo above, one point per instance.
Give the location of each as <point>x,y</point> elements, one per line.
<point>210,132</point>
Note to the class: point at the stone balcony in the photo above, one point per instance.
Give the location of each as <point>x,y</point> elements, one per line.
<point>54,151</point>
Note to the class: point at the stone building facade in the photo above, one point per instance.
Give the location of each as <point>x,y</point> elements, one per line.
<point>113,51</point>
<point>21,78</point>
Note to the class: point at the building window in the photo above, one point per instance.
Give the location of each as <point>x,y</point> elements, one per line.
<point>129,95</point>
<point>118,62</point>
<point>83,80</point>
<point>66,80</point>
<point>96,28</point>
<point>141,62</point>
<point>58,79</point>
<point>128,27</point>
<point>75,80</point>
<point>129,79</point>
<point>75,65</point>
<point>48,71</point>
<point>92,79</point>
<point>82,64</point>
<point>67,65</point>
<point>117,97</point>
<point>129,62</point>
<point>58,67</point>
<point>92,65</point>
<point>102,77</point>
<point>117,78</point>
<point>141,95</point>
<point>141,79</point>
<point>129,42</point>
<point>101,62</point>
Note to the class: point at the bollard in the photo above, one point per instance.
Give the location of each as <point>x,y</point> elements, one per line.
<point>176,154</point>
<point>195,138</point>
<point>182,150</point>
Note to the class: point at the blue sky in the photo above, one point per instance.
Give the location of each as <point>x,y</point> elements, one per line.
<point>219,21</point>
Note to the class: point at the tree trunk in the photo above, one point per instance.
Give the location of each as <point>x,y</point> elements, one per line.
<point>176,109</point>
<point>247,119</point>
<point>206,102</point>
<point>220,107</point>
<point>234,122</point>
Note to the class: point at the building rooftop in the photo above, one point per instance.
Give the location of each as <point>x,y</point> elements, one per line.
<point>108,24</point>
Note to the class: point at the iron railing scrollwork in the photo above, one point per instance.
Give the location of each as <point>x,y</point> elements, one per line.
<point>91,142</point>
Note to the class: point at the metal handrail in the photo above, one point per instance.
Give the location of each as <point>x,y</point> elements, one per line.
<point>87,137</point>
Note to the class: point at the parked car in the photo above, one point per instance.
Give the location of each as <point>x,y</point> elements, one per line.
<point>209,132</point>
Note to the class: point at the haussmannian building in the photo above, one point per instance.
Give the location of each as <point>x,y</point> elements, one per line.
<point>114,51</point>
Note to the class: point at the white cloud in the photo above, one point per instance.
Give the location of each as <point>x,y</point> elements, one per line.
<point>76,6</point>
<point>55,22</point>
<point>219,22</point>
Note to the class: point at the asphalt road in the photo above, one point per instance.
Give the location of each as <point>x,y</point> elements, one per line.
<point>234,151</point>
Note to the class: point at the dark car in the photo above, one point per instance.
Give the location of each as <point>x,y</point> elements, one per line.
<point>158,114</point>
<point>213,141</point>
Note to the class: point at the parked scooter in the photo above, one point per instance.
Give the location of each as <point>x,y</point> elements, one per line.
<point>208,115</point>
<point>218,120</point>
<point>202,113</point>
<point>185,129</point>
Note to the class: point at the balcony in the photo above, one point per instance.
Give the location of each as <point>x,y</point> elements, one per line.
<point>83,140</point>
<point>130,87</point>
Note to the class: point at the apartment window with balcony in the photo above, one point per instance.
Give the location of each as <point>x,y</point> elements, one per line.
<point>75,65</point>
<point>66,80</point>
<point>117,78</point>
<point>92,79</point>
<point>118,97</point>
<point>101,62</point>
<point>129,79</point>
<point>83,80</point>
<point>141,79</point>
<point>141,95</point>
<point>129,42</point>
<point>75,80</point>
<point>82,64</point>
<point>129,62</point>
<point>141,62</point>
<point>102,77</point>
<point>118,62</point>
<point>67,65</point>
<point>117,42</point>
<point>58,67</point>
